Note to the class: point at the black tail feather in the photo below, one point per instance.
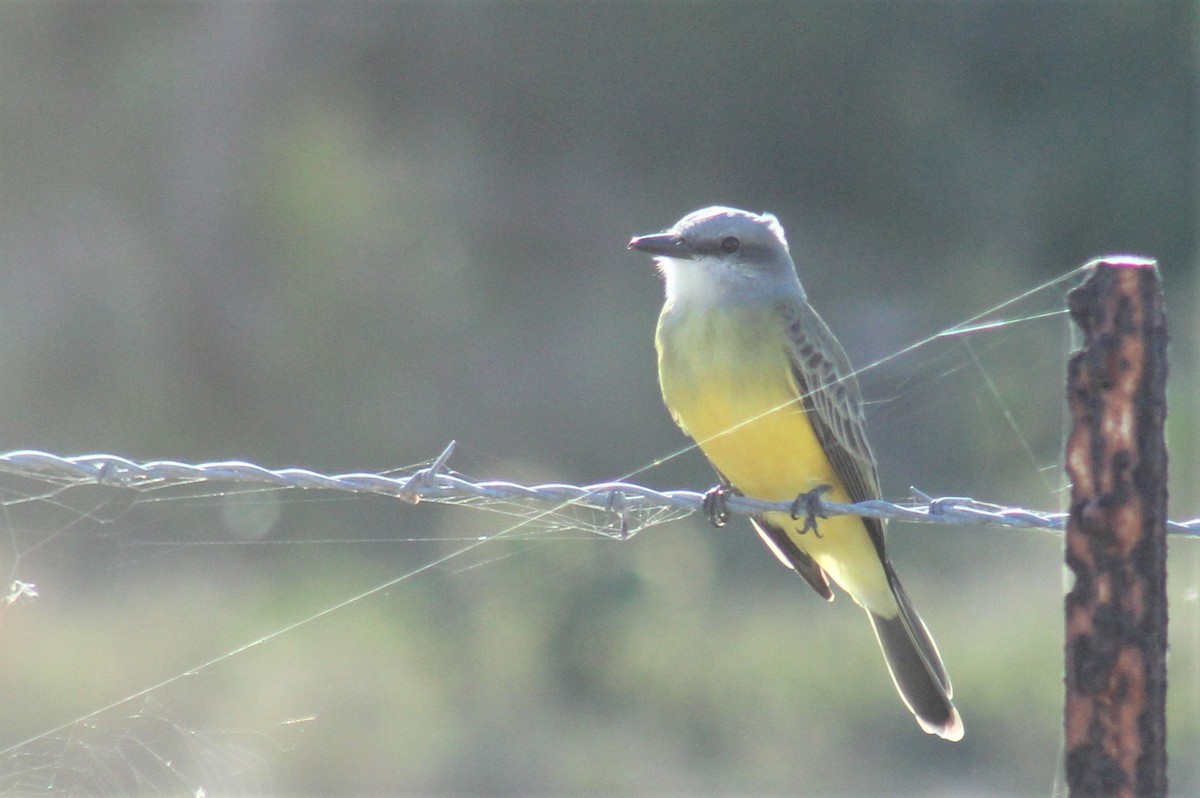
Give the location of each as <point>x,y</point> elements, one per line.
<point>916,667</point>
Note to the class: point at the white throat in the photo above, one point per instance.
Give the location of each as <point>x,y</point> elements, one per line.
<point>708,283</point>
<point>693,282</point>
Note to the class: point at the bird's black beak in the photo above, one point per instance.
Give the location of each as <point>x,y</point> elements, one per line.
<point>667,245</point>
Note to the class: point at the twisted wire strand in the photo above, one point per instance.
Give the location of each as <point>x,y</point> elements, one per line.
<point>632,507</point>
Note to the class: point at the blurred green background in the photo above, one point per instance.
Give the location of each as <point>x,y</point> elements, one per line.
<point>338,235</point>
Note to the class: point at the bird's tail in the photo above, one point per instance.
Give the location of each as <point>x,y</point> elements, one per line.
<point>916,667</point>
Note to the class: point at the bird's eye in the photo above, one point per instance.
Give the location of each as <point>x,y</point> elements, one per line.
<point>730,244</point>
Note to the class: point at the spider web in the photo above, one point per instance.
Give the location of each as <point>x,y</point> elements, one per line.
<point>182,691</point>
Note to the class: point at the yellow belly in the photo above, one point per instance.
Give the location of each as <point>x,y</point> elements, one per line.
<point>727,381</point>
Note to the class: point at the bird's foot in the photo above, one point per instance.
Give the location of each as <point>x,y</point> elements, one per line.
<point>809,505</point>
<point>714,504</point>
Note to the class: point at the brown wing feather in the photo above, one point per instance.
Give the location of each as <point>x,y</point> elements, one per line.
<point>833,402</point>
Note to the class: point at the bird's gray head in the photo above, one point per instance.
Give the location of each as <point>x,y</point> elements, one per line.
<point>722,252</point>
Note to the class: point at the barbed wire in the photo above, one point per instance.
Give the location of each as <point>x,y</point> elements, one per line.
<point>632,507</point>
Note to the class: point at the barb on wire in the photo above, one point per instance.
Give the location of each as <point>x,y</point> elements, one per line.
<point>631,507</point>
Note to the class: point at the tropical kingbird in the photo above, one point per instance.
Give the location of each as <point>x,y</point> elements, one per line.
<point>752,373</point>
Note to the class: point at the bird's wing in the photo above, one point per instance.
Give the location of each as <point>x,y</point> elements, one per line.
<point>831,396</point>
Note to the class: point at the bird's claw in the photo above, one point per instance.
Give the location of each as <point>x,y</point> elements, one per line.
<point>714,504</point>
<point>809,505</point>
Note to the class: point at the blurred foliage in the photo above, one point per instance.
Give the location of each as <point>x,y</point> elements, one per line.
<point>337,235</point>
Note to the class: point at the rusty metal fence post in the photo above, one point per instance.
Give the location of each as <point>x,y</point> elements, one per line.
<point>1116,545</point>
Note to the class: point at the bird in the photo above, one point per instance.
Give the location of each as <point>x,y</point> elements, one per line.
<point>753,374</point>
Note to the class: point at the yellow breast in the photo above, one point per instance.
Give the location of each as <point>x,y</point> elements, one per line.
<point>726,378</point>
